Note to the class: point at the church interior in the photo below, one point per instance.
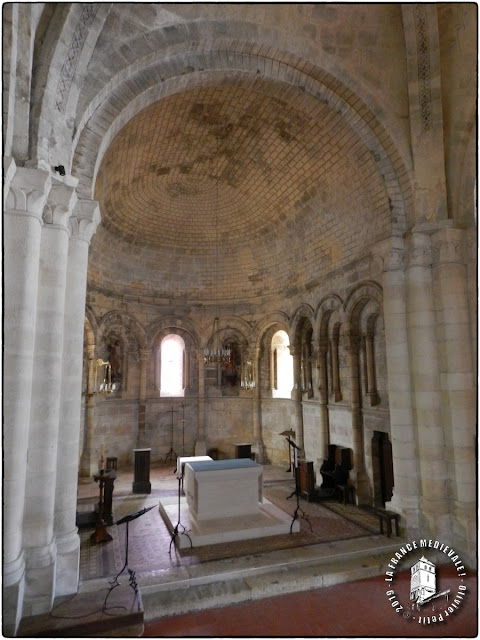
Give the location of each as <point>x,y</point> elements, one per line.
<point>240,257</point>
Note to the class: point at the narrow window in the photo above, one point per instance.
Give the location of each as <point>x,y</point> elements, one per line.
<point>283,366</point>
<point>172,352</point>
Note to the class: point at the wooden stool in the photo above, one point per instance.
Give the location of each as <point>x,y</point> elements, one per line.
<point>112,463</point>
<point>386,517</point>
<point>346,493</point>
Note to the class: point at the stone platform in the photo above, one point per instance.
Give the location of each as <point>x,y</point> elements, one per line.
<point>268,521</point>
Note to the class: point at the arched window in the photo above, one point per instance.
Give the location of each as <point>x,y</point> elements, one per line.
<point>282,366</point>
<point>172,351</point>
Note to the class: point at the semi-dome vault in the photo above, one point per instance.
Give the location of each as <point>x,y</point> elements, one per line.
<point>209,137</point>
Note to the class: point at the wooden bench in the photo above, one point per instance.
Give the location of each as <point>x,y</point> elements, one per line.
<point>386,517</point>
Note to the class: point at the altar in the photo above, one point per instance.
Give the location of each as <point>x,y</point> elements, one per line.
<point>223,488</point>
<point>223,502</point>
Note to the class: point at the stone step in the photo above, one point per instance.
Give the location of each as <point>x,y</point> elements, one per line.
<point>84,616</point>
<point>214,584</point>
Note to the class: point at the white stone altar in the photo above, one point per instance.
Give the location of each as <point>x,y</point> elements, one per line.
<point>234,486</point>
<point>182,460</point>
<point>223,488</point>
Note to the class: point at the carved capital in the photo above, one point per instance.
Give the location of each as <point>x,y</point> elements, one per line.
<point>84,220</point>
<point>295,351</point>
<point>419,253</point>
<point>448,246</point>
<point>60,204</point>
<point>144,354</point>
<point>28,192</point>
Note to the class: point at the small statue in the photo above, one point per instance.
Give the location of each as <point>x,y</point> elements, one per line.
<point>115,360</point>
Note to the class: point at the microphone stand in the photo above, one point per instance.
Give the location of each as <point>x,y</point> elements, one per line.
<point>171,454</point>
<point>183,428</point>
<point>289,433</point>
<point>289,456</point>
<point>132,580</point>
<point>303,515</point>
<point>184,531</point>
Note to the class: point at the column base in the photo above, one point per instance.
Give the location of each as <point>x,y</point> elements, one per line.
<point>68,564</point>
<point>13,595</point>
<point>409,514</point>
<point>363,490</point>
<point>434,520</point>
<point>89,465</point>
<point>40,580</point>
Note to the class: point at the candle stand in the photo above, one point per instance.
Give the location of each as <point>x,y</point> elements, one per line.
<point>100,534</point>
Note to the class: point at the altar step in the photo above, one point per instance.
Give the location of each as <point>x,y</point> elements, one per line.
<point>225,582</point>
<point>87,615</point>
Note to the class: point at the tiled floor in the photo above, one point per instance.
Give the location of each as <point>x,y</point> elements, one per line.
<point>355,609</point>
<point>149,539</point>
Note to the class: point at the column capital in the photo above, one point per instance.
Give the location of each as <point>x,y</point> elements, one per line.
<point>28,192</point>
<point>390,253</point>
<point>448,246</point>
<point>84,220</point>
<point>295,351</point>
<point>144,354</point>
<point>419,249</point>
<point>59,206</point>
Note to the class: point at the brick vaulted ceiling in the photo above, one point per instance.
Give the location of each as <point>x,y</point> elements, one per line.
<point>236,184</point>
<point>240,190</point>
<point>225,163</point>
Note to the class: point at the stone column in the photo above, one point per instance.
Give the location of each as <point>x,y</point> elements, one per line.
<point>258,443</point>
<point>297,395</point>
<point>456,378</point>
<point>352,347</point>
<point>22,226</point>
<point>38,523</point>
<point>406,490</point>
<point>337,394</point>
<point>424,367</point>
<point>321,362</point>
<point>144,360</point>
<point>372,394</point>
<point>83,224</point>
<point>89,460</point>
<point>200,445</point>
